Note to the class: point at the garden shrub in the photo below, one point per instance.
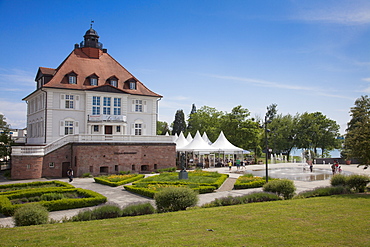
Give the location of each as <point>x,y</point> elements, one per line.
<point>52,196</point>
<point>15,188</point>
<point>138,209</point>
<point>106,212</point>
<point>170,169</point>
<point>338,180</point>
<point>117,180</point>
<point>249,198</point>
<point>175,198</point>
<point>357,182</point>
<point>125,172</point>
<point>31,214</point>
<point>282,187</point>
<point>84,215</point>
<point>86,175</point>
<point>324,191</point>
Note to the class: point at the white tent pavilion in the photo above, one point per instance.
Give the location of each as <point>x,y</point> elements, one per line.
<point>181,141</point>
<point>198,145</point>
<point>224,145</point>
<point>189,138</point>
<point>206,139</point>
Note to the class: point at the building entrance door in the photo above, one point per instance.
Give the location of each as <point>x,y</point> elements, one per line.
<point>108,130</point>
<point>65,166</point>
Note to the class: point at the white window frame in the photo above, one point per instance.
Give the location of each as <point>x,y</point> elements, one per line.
<point>72,79</point>
<point>93,81</point>
<point>96,105</point>
<point>114,82</point>
<point>117,106</point>
<point>106,105</point>
<point>132,85</point>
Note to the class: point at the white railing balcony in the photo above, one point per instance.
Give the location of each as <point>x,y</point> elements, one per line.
<point>106,118</point>
<point>43,150</point>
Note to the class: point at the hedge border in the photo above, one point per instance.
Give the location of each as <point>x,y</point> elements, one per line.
<point>122,182</point>
<point>58,184</point>
<point>92,199</point>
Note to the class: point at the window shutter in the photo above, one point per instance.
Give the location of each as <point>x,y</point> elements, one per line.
<point>144,129</point>
<point>61,128</point>
<point>133,105</point>
<point>133,129</point>
<point>77,128</point>
<point>62,101</point>
<point>77,104</point>
<point>145,108</point>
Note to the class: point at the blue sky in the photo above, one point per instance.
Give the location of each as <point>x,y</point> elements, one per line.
<point>305,56</point>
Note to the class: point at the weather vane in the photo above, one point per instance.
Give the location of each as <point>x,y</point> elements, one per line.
<point>91,23</point>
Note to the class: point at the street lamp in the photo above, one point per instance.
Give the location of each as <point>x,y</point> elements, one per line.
<point>267,148</point>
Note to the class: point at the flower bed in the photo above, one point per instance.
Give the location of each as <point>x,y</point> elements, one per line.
<point>248,181</point>
<point>117,180</point>
<point>86,198</point>
<point>200,181</point>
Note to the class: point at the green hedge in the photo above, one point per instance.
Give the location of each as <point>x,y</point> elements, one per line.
<point>14,188</point>
<point>101,180</point>
<point>91,198</point>
<point>140,190</point>
<point>248,181</point>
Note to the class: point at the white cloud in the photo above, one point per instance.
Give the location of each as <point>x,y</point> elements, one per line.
<point>366,79</point>
<point>340,12</point>
<point>14,112</point>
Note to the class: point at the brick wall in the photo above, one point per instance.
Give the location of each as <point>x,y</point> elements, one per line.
<point>96,159</point>
<point>26,167</point>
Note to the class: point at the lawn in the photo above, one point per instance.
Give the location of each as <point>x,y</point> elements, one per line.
<point>321,221</point>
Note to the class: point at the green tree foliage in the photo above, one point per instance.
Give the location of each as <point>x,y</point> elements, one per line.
<point>357,141</point>
<point>162,128</point>
<point>179,123</point>
<point>239,128</point>
<point>271,112</point>
<point>315,130</point>
<point>5,139</point>
<point>283,135</point>
<point>190,126</point>
<point>206,119</point>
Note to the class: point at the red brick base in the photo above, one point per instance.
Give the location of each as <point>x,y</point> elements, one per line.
<point>96,159</point>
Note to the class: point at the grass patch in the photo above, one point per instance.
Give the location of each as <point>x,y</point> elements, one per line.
<point>321,221</point>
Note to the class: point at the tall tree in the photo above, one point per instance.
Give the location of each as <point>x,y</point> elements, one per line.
<point>5,138</point>
<point>190,127</point>
<point>162,128</point>
<point>357,139</point>
<point>179,123</point>
<point>283,137</point>
<point>239,128</point>
<point>271,112</point>
<point>206,119</point>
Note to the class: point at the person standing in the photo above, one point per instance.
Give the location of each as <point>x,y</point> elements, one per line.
<point>70,174</point>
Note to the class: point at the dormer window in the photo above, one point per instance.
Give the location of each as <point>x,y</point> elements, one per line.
<point>113,82</point>
<point>72,79</point>
<point>93,81</point>
<point>133,85</point>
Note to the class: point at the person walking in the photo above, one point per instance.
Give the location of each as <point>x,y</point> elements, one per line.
<point>70,174</point>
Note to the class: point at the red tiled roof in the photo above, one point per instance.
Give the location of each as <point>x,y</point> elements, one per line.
<point>84,66</point>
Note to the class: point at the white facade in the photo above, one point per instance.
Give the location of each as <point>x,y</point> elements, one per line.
<point>53,113</point>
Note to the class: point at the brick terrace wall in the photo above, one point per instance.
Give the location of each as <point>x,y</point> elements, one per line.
<point>57,157</point>
<point>116,157</point>
<point>97,159</point>
<point>26,167</point>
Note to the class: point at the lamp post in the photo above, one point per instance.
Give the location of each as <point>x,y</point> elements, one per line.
<point>267,149</point>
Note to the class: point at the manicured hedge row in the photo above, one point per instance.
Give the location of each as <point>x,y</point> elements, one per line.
<point>251,184</point>
<point>91,199</point>
<point>14,188</point>
<point>140,190</point>
<point>101,180</point>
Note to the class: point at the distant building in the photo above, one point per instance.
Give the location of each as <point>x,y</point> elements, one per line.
<point>90,113</point>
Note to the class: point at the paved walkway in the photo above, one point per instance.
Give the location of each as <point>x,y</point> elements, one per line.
<point>123,198</point>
